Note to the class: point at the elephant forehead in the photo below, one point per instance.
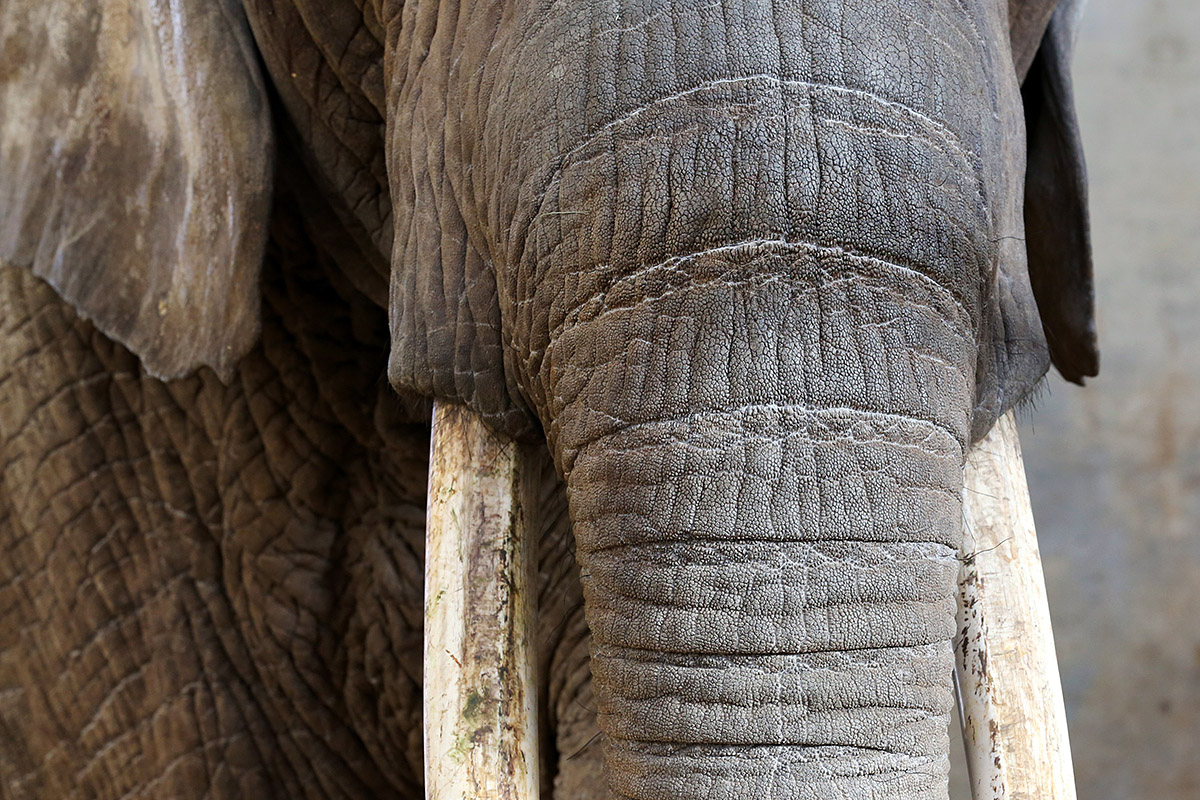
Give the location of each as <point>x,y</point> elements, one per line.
<point>600,63</point>
<point>813,124</point>
<point>818,95</point>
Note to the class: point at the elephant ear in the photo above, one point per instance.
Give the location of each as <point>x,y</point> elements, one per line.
<point>1027,23</point>
<point>1058,240</point>
<point>135,170</point>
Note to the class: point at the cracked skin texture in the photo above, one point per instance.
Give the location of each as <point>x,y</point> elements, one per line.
<point>215,590</point>
<point>754,270</point>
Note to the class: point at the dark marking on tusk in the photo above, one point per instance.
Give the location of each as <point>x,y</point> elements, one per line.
<point>480,688</point>
<point>1010,695</point>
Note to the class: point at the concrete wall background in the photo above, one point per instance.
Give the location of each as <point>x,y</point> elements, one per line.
<point>1114,469</point>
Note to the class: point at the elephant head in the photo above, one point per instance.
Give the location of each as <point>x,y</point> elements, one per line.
<point>758,272</point>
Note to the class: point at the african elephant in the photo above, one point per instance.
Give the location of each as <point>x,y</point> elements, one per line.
<point>757,273</point>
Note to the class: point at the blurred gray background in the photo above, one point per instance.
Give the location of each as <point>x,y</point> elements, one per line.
<point>1114,469</point>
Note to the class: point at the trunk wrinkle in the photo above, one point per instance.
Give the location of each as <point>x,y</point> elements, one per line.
<point>780,246</point>
<point>715,415</point>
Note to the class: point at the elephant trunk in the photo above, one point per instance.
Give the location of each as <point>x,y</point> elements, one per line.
<point>767,511</point>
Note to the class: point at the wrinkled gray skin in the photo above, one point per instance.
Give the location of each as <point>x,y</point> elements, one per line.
<point>756,273</point>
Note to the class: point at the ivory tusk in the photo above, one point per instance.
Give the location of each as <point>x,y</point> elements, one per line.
<point>480,690</point>
<point>1010,696</point>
